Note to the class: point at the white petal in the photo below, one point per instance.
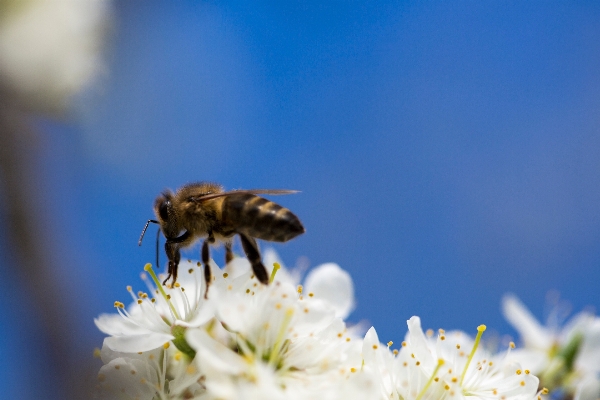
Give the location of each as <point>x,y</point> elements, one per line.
<point>532,332</point>
<point>588,359</point>
<point>137,343</point>
<point>331,283</point>
<point>212,354</point>
<point>114,324</point>
<point>588,388</point>
<point>133,378</point>
<point>418,343</point>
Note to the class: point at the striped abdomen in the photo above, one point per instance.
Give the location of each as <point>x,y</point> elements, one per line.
<point>260,218</point>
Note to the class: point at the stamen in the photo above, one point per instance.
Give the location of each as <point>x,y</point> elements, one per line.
<point>435,371</point>
<point>278,345</point>
<point>276,267</point>
<point>480,330</point>
<point>148,268</point>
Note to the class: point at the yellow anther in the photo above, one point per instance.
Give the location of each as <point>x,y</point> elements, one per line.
<point>353,370</point>
<point>101,377</point>
<point>247,290</point>
<point>447,387</point>
<point>481,328</point>
<point>143,381</point>
<point>490,363</point>
<point>518,372</point>
<point>178,356</point>
<point>225,274</point>
<point>390,343</point>
<point>441,331</point>
<point>436,379</point>
<point>512,345</point>
<point>166,345</point>
<point>96,353</point>
<point>117,367</point>
<point>177,284</point>
<point>139,301</point>
<point>458,346</point>
<point>545,391</point>
<point>168,297</point>
<point>153,300</point>
<point>347,339</point>
<point>190,270</point>
<point>454,379</point>
<point>190,370</point>
<point>522,383</point>
<point>442,337</point>
<point>340,334</point>
<point>198,264</point>
<point>182,289</point>
<point>306,310</point>
<point>375,347</point>
<point>132,372</point>
<point>299,289</point>
<point>396,352</point>
<point>429,332</point>
<point>311,294</point>
<point>404,344</point>
<point>278,306</point>
<point>129,289</point>
<point>139,352</point>
<point>418,363</point>
<point>147,267</point>
<point>527,372</point>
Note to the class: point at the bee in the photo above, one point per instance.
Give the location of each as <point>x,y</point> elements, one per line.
<point>205,211</point>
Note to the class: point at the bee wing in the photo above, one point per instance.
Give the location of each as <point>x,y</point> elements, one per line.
<point>248,191</point>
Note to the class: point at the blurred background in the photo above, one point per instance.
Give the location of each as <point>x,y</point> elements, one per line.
<point>446,153</point>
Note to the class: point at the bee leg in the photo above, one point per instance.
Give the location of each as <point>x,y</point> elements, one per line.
<point>228,253</point>
<point>205,261</point>
<point>173,254</point>
<point>251,250</point>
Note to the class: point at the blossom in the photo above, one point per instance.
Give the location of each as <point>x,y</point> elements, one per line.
<point>50,50</point>
<point>453,365</point>
<point>159,315</point>
<point>566,358</point>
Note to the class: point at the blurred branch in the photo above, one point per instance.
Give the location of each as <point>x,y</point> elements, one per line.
<point>27,236</point>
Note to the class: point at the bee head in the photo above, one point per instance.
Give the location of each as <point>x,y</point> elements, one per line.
<point>165,213</point>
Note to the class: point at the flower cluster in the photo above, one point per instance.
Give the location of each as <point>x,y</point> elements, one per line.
<point>286,341</point>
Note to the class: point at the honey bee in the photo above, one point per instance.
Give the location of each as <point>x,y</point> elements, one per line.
<point>205,210</point>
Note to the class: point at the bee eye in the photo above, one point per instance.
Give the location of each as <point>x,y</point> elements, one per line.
<point>163,210</point>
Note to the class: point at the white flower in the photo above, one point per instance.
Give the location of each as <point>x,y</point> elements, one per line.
<point>159,316</point>
<point>563,357</point>
<point>280,337</point>
<point>50,50</point>
<point>144,376</point>
<point>452,366</point>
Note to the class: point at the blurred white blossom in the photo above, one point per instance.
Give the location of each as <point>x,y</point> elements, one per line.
<point>50,50</point>
<point>566,358</point>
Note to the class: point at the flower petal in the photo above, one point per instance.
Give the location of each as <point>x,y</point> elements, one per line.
<point>331,283</point>
<point>137,343</point>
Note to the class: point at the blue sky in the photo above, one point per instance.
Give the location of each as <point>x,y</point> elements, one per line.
<point>446,153</point>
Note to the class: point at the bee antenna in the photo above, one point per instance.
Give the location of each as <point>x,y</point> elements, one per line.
<point>144,230</point>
